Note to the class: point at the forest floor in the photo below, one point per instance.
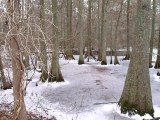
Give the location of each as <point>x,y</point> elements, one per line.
<point>90,92</point>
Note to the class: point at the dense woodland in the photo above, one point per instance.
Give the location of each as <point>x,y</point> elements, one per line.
<point>36,34</point>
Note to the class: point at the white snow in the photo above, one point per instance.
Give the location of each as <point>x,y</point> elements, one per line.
<point>90,92</point>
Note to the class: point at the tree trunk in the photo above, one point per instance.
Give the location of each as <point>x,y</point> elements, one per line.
<point>157,65</point>
<point>127,57</point>
<point>136,96</point>
<point>17,63</point>
<point>80,28</point>
<point>104,61</point>
<point>55,73</point>
<point>99,35</point>
<point>152,32</point>
<point>116,35</point>
<point>89,51</point>
<point>28,10</point>
<point>68,51</point>
<point>111,42</point>
<point>5,84</point>
<point>43,52</point>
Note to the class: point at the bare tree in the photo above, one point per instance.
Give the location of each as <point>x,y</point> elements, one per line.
<point>98,33</point>
<point>68,51</point>
<point>103,17</point>
<point>89,51</point>
<point>5,84</point>
<point>157,65</point>
<point>127,57</point>
<point>55,73</point>
<point>136,96</point>
<point>43,52</point>
<point>116,34</point>
<point>152,32</point>
<point>17,63</point>
<point>80,28</point>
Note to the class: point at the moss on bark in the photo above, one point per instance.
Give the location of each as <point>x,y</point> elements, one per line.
<point>103,63</point>
<point>133,109</point>
<point>58,78</point>
<point>80,61</point>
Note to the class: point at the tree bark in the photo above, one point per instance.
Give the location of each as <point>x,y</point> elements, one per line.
<point>157,65</point>
<point>55,73</point>
<point>116,35</point>
<point>68,51</point>
<point>17,63</point>
<point>111,42</point>
<point>89,51</point>
<point>103,16</point>
<point>127,57</point>
<point>152,32</point>
<point>136,96</point>
<point>5,84</point>
<point>99,34</point>
<point>43,52</point>
<point>80,28</point>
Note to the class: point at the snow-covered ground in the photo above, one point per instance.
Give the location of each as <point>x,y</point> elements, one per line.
<point>90,92</point>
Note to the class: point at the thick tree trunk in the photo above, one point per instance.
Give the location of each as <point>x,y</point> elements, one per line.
<point>152,32</point>
<point>157,65</point>
<point>68,49</point>
<point>43,52</point>
<point>136,96</point>
<point>127,57</point>
<point>80,28</point>
<point>104,61</point>
<point>17,63</point>
<point>55,73</point>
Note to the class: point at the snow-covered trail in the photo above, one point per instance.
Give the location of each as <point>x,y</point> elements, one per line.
<point>91,86</point>
<point>88,86</point>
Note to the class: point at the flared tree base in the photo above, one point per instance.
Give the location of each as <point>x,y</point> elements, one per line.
<point>133,109</point>
<point>116,62</point>
<point>68,55</point>
<point>127,57</point>
<point>7,85</point>
<point>53,78</point>
<point>103,63</point>
<point>157,65</point>
<point>81,60</point>
<point>44,76</point>
<point>99,58</point>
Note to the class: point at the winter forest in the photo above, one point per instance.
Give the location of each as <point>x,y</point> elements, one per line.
<point>79,59</point>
